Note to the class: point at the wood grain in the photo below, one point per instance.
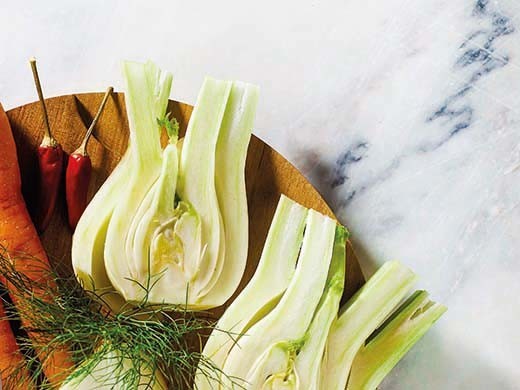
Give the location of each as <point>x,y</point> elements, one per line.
<point>268,174</point>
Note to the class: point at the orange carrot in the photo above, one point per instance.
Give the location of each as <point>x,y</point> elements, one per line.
<point>10,356</point>
<point>18,235</point>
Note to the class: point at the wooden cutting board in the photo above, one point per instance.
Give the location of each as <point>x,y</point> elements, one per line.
<point>268,174</point>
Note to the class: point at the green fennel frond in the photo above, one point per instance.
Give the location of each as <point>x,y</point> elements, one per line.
<point>146,339</point>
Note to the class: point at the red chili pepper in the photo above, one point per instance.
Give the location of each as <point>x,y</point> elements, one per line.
<point>79,170</point>
<point>77,179</point>
<point>50,161</point>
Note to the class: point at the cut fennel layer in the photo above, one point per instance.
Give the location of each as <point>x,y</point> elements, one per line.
<point>90,236</point>
<point>360,316</point>
<point>392,340</point>
<point>196,183</point>
<point>230,162</point>
<point>308,360</point>
<point>272,276</point>
<point>146,100</point>
<point>295,364</point>
<point>287,324</point>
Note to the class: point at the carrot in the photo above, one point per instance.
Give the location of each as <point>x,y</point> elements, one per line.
<point>10,356</point>
<point>18,235</point>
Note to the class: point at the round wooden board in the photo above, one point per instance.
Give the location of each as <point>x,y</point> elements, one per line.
<point>268,174</point>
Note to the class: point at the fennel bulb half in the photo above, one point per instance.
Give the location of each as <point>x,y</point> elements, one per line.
<point>174,225</point>
<point>266,353</point>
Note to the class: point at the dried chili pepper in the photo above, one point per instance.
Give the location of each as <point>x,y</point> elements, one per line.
<point>79,170</point>
<point>50,161</point>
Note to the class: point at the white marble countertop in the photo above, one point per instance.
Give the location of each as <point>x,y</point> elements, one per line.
<point>405,114</point>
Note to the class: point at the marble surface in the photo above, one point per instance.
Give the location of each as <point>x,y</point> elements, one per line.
<point>405,114</point>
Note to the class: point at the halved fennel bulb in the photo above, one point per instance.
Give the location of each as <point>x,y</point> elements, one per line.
<point>272,276</point>
<point>177,229</point>
<point>390,343</point>
<point>360,316</point>
<point>295,364</point>
<point>265,354</point>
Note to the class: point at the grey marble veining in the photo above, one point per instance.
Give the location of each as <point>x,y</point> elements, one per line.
<point>404,114</point>
<point>434,183</point>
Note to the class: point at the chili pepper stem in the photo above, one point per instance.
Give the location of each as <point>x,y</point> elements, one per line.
<point>79,169</point>
<point>83,147</point>
<point>48,139</point>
